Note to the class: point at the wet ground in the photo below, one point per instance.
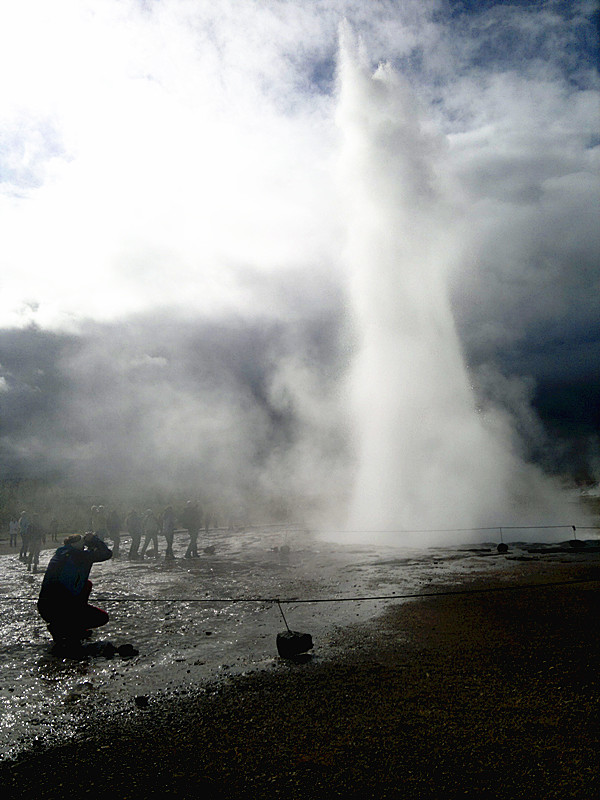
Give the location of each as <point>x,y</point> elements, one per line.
<point>196,621</point>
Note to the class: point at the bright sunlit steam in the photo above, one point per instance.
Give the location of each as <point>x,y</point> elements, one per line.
<point>427,458</point>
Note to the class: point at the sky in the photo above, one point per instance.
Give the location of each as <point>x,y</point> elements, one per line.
<point>176,300</point>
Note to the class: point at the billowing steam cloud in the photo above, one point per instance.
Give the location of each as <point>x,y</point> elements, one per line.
<point>242,414</point>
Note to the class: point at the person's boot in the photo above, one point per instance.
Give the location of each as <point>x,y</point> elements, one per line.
<point>64,643</point>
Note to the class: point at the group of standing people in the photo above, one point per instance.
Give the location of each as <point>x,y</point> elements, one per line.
<point>33,535</point>
<point>138,526</point>
<point>143,528</point>
<point>149,526</point>
<point>103,525</point>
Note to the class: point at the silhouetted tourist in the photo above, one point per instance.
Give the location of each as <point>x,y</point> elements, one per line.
<point>191,519</point>
<point>99,526</point>
<point>63,600</point>
<point>168,530</point>
<point>150,526</point>
<point>54,529</point>
<point>91,526</point>
<point>23,532</point>
<point>113,528</point>
<point>133,524</point>
<point>13,530</point>
<point>35,536</point>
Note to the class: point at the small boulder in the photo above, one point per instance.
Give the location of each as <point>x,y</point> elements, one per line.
<point>127,651</point>
<point>292,643</point>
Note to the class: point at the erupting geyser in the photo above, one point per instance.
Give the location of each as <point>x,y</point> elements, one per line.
<point>425,457</point>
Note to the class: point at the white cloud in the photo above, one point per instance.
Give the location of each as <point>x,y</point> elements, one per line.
<point>154,151</point>
<point>177,162</point>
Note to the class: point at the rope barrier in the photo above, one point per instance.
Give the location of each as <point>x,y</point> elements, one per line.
<point>394,596</point>
<point>295,528</point>
<point>469,530</point>
<point>299,528</point>
<point>298,600</point>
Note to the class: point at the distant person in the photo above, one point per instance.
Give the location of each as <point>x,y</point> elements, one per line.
<point>150,526</point>
<point>35,537</point>
<point>168,531</point>
<point>23,532</point>
<point>133,525</point>
<point>113,529</point>
<point>191,519</point>
<point>92,520</point>
<point>13,531</point>
<point>209,520</point>
<point>65,591</point>
<point>99,526</point>
<point>54,529</point>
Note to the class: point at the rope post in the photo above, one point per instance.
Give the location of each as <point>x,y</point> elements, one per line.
<point>292,644</point>
<point>282,614</point>
<point>576,544</point>
<point>502,548</point>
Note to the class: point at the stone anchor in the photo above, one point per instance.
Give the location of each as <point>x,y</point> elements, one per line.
<point>292,643</point>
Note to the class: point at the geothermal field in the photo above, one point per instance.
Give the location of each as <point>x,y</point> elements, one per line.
<point>199,622</point>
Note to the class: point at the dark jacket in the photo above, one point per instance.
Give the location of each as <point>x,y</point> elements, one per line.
<point>133,523</point>
<point>191,518</point>
<point>69,569</point>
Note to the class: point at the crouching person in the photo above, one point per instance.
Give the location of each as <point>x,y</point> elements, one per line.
<point>63,600</point>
